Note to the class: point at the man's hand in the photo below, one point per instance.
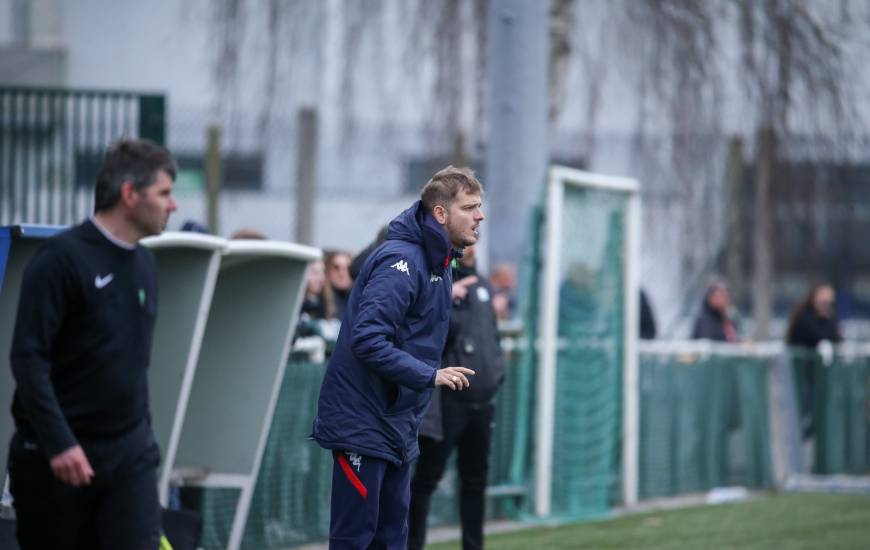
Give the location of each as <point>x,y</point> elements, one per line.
<point>455,378</point>
<point>460,287</point>
<point>72,467</point>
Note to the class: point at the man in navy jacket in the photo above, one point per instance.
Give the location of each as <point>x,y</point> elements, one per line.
<point>387,360</point>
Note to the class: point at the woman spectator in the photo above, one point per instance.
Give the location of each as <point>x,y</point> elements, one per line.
<point>812,321</point>
<point>318,304</point>
<point>338,275</point>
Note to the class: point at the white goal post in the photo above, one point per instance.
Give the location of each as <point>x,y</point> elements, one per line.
<point>558,179</point>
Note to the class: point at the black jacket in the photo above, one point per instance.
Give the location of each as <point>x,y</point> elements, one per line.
<point>472,342</point>
<point>809,329</point>
<point>82,345</point>
<point>710,325</point>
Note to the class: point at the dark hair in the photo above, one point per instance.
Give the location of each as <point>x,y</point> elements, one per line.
<point>445,185</point>
<point>802,306</point>
<point>134,160</point>
<point>194,227</point>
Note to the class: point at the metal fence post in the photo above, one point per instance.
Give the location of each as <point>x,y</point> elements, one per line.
<point>152,118</point>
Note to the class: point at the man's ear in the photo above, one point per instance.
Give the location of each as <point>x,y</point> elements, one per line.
<point>440,214</point>
<point>129,195</point>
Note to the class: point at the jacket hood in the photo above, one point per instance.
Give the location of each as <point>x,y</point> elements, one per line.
<point>415,225</point>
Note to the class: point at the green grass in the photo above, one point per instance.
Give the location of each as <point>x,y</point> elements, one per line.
<point>793,522</point>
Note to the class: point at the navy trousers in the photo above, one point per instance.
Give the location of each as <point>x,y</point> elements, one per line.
<point>370,499</point>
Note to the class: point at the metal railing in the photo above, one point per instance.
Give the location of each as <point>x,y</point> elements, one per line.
<point>51,145</point>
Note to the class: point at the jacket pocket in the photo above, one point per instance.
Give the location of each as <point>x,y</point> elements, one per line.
<point>406,400</point>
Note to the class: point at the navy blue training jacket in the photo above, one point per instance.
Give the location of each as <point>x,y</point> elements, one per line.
<point>379,380</point>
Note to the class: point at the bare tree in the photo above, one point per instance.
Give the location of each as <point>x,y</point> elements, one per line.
<point>794,70</point>
<point>783,66</point>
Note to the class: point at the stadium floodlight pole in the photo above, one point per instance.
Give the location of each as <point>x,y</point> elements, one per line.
<point>517,150</point>
<point>548,344</point>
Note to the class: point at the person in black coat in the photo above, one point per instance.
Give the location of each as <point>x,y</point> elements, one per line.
<point>461,420</point>
<point>714,323</point>
<point>647,318</point>
<point>83,460</point>
<point>358,260</point>
<point>337,265</point>
<point>812,321</point>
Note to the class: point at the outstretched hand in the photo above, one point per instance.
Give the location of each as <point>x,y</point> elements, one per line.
<point>72,467</point>
<point>455,378</point>
<point>460,287</point>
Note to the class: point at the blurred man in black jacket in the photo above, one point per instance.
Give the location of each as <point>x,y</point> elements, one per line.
<point>461,420</point>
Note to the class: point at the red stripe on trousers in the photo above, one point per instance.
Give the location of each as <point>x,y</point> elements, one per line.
<point>351,476</point>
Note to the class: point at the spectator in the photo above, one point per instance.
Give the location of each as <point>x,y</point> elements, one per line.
<point>83,459</point>
<point>647,318</point>
<point>318,305</point>
<point>359,259</point>
<point>318,302</point>
<point>714,322</point>
<point>248,234</point>
<point>337,265</point>
<point>580,312</point>
<point>812,321</point>
<point>462,421</point>
<point>503,280</point>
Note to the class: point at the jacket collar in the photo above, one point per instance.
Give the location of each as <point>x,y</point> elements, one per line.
<point>418,226</point>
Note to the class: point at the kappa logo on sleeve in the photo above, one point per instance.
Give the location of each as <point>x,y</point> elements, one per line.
<point>402,266</point>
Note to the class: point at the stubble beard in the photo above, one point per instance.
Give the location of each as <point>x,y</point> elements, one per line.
<point>468,241</point>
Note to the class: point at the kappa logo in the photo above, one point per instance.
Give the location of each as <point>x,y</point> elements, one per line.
<point>355,459</point>
<point>402,266</point>
<point>101,282</point>
<point>434,278</point>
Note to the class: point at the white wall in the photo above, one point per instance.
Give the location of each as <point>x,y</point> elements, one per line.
<point>158,45</point>
<point>6,35</point>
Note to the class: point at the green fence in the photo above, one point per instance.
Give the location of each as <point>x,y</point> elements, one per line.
<point>703,423</point>
<point>841,413</point>
<point>291,501</point>
<point>51,146</point>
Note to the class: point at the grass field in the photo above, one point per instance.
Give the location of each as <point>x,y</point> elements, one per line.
<point>793,522</point>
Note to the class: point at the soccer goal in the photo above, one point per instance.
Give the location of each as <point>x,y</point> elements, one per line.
<point>587,361</point>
